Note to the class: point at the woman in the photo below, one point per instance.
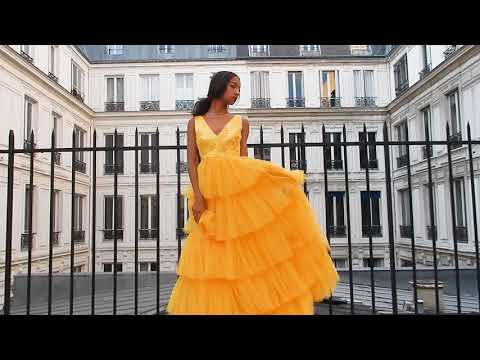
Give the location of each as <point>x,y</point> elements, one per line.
<point>254,245</point>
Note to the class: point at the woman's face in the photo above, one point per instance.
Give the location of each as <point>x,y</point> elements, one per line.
<point>233,91</point>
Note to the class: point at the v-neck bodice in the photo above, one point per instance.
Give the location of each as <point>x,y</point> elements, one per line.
<point>226,142</point>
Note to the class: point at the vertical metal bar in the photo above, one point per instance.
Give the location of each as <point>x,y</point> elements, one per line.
<point>412,235</point>
<point>304,159</point>
<point>432,222</point>
<point>136,221</point>
<point>179,230</point>
<point>52,219</point>
<point>391,239</point>
<point>369,219</point>
<point>94,215</point>
<point>282,149</point>
<point>261,142</point>
<point>115,225</point>
<point>474,207</point>
<point>325,179</point>
<point>454,221</point>
<point>72,232</point>
<point>349,237</point>
<point>8,230</point>
<point>30,225</point>
<point>157,149</point>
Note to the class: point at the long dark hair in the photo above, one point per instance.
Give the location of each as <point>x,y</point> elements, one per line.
<point>218,85</point>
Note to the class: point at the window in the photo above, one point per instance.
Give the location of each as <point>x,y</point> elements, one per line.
<point>329,89</point>
<point>295,89</point>
<point>426,200</point>
<point>148,158</point>
<point>427,131</point>
<point>257,153</point>
<point>78,81</point>
<point>184,92</point>
<point>364,90</point>
<point>30,109</point>
<point>405,224</point>
<point>360,49</point>
<point>114,49</point>
<point>372,151</point>
<point>78,269</point>
<point>377,262</point>
<point>52,66</point>
<point>27,52</point>
<point>297,153</point>
<point>114,94</point>
<point>150,92</point>
<point>166,49</point>
<point>402,149</point>
<point>113,213</point>
<point>78,204</point>
<point>148,216</point>
<point>309,49</point>
<point>109,154</point>
<point>426,60</point>
<point>333,154</point>
<point>454,116</point>
<point>400,72</point>
<point>340,263</point>
<point>108,267</point>
<point>460,210</point>
<point>260,89</point>
<point>216,48</point>
<point>144,266</point>
<point>79,156</point>
<point>335,213</point>
<point>259,50</point>
<point>374,200</point>
<point>57,211</point>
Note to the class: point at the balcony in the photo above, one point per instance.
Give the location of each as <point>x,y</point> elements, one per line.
<point>25,240</point>
<point>261,103</point>
<point>401,88</point>
<point>372,164</point>
<point>337,231</point>
<point>295,102</point>
<point>109,169</point>
<point>336,164</point>
<point>330,102</point>
<point>80,166</point>
<point>26,56</point>
<point>216,49</point>
<point>431,230</point>
<point>298,165</point>
<point>56,237</point>
<point>367,101</point>
<point>149,105</point>
<point>148,234</point>
<point>78,236</point>
<point>109,233</point>
<point>376,230</point>
<point>52,76</point>
<point>405,231</point>
<point>183,167</point>
<point>452,49</point>
<point>148,168</point>
<point>461,234</point>
<point>427,151</point>
<point>455,140</point>
<point>184,105</point>
<point>77,94</point>
<point>57,157</point>
<point>28,145</point>
<point>402,160</point>
<point>426,70</point>
<point>114,106</point>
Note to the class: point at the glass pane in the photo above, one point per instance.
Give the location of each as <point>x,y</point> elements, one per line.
<point>108,212</point>
<point>291,93</point>
<point>459,202</point>
<point>119,89</point>
<point>339,204</point>
<point>329,211</point>
<point>368,76</point>
<point>109,153</point>
<point>358,83</point>
<point>154,221</point>
<point>376,208</point>
<point>298,85</point>
<point>364,210</point>
<point>189,87</point>
<point>29,121</point>
<point>119,212</point>
<point>144,152</point>
<point>110,90</point>
<point>143,212</point>
<point>120,152</point>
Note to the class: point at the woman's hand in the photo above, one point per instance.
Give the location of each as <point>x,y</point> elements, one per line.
<point>198,207</point>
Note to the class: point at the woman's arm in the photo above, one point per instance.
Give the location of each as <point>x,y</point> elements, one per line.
<point>192,157</point>
<point>243,142</point>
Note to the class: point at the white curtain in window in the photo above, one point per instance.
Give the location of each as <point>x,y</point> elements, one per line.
<point>119,89</point>
<point>358,83</point>
<point>74,76</point>
<point>110,89</point>
<point>184,86</point>
<point>260,85</point>
<point>369,87</point>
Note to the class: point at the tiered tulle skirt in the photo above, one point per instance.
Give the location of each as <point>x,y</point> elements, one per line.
<point>257,249</point>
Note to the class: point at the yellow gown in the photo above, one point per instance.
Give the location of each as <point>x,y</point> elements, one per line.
<point>257,249</point>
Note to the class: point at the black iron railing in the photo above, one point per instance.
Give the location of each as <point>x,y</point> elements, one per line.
<point>372,164</point>
<point>425,71</point>
<point>427,151</point>
<point>401,88</point>
<point>148,168</point>
<point>366,101</point>
<point>330,102</point>
<point>115,106</point>
<point>402,160</point>
<point>295,102</point>
<point>372,226</point>
<point>77,94</point>
<point>405,231</point>
<point>260,103</point>
<point>455,140</point>
<point>109,169</point>
<point>184,105</point>
<point>182,166</point>
<point>431,232</point>
<point>57,158</point>
<point>80,166</point>
<point>149,105</point>
<point>26,56</point>
<point>336,164</point>
<point>29,145</point>
<point>452,49</point>
<point>53,77</point>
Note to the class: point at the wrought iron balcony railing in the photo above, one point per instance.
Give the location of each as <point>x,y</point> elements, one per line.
<point>405,231</point>
<point>298,165</point>
<point>295,102</point>
<point>108,234</point>
<point>337,231</point>
<point>114,106</point>
<point>56,238</point>
<point>26,56</point>
<point>109,169</point>
<point>427,151</point>
<point>425,71</point>
<point>149,105</point>
<point>148,234</point>
<point>450,51</point>
<point>372,164</point>
<point>455,139</point>
<point>366,101</point>
<point>336,164</point>
<point>57,157</point>
<point>148,168</point>
<point>260,103</point>
<point>183,167</point>
<point>77,94</point>
<point>53,77</point>
<point>402,160</point>
<point>184,105</point>
<point>330,102</point>
<point>401,88</point>
<point>376,230</point>
<point>80,166</point>
<point>78,236</point>
<point>25,240</point>
<point>461,233</point>
<point>29,146</point>
<point>431,230</point>
<point>216,49</point>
